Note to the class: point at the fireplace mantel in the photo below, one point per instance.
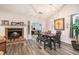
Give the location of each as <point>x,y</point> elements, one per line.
<point>14,26</point>
<point>16,40</point>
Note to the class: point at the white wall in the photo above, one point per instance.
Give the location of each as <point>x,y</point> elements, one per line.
<point>65,12</point>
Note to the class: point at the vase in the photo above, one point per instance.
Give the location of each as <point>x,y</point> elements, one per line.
<point>75,45</point>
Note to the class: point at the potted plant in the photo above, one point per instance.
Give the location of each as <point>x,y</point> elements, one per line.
<point>75,43</point>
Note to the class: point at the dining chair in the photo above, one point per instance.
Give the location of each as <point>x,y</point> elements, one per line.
<point>56,39</point>
<point>44,40</point>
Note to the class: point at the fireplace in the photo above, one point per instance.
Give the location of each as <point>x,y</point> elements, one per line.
<point>14,33</point>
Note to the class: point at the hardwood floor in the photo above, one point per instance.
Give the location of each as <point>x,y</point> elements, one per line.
<point>33,48</point>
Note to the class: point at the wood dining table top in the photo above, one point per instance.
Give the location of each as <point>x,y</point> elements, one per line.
<point>48,34</point>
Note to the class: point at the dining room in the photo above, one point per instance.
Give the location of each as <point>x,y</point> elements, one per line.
<point>39,29</point>
<point>58,34</point>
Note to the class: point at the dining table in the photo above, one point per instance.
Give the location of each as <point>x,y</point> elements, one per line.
<point>50,37</point>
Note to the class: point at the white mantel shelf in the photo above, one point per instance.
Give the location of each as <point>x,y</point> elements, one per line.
<point>12,26</point>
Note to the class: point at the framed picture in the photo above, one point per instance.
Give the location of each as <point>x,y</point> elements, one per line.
<point>4,22</point>
<point>22,23</point>
<point>59,24</point>
<point>18,23</point>
<point>13,23</point>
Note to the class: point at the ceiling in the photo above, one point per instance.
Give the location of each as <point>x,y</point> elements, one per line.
<point>32,10</point>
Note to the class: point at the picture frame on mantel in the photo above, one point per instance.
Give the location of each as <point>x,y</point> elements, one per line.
<point>5,22</point>
<point>13,23</point>
<point>59,24</point>
<point>17,23</point>
<point>22,24</point>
